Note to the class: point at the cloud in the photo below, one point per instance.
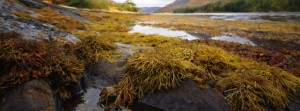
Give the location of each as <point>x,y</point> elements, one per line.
<point>149,3</point>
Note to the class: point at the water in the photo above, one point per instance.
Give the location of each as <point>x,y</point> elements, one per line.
<point>90,99</point>
<point>256,16</point>
<point>162,31</point>
<point>236,39</point>
<point>184,35</point>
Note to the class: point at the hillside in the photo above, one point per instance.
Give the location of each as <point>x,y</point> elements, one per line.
<point>149,9</point>
<point>243,6</point>
<point>186,3</point>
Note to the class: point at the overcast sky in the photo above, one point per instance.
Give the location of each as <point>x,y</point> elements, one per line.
<point>149,3</point>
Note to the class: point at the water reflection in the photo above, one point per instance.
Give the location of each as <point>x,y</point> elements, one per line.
<point>236,39</point>
<point>90,99</point>
<point>188,36</point>
<point>162,31</point>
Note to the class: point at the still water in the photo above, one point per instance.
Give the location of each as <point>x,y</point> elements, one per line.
<point>254,16</point>
<point>185,35</point>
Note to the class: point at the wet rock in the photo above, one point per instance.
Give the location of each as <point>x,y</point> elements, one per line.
<point>111,72</point>
<point>295,104</point>
<point>33,4</point>
<point>187,97</point>
<point>35,95</point>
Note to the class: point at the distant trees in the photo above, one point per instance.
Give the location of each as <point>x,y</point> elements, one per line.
<point>244,6</point>
<point>104,4</point>
<point>128,6</point>
<point>100,4</point>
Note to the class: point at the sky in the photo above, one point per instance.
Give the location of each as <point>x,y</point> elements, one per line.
<point>149,3</point>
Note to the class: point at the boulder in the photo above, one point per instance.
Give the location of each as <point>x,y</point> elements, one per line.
<point>188,97</point>
<point>35,95</point>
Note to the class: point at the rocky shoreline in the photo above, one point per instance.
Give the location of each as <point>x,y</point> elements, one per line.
<point>41,93</point>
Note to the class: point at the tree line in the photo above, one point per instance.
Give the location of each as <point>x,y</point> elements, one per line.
<point>128,5</point>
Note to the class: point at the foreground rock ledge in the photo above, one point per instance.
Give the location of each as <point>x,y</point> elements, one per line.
<point>35,95</point>
<point>188,97</point>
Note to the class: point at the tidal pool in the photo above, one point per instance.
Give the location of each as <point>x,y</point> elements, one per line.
<point>162,31</point>
<point>236,39</point>
<point>185,35</point>
<point>90,100</point>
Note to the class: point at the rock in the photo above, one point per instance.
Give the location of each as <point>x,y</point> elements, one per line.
<point>112,72</point>
<point>35,95</point>
<point>30,29</point>
<point>295,104</point>
<point>33,4</point>
<point>188,97</point>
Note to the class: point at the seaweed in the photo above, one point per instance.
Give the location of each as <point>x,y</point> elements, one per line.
<point>246,84</point>
<point>91,49</point>
<point>22,14</point>
<point>48,15</point>
<point>154,70</point>
<point>24,60</point>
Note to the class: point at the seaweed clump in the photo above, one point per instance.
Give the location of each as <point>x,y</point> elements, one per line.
<point>91,49</point>
<point>48,15</point>
<point>24,60</point>
<point>246,84</point>
<point>287,59</point>
<point>154,70</point>
<point>61,63</point>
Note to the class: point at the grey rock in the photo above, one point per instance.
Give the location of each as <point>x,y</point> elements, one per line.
<point>188,97</point>
<point>294,105</point>
<point>35,95</point>
<point>33,4</point>
<point>29,28</point>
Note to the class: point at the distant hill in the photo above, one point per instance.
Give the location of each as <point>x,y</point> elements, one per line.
<point>191,6</point>
<point>186,3</point>
<point>149,9</point>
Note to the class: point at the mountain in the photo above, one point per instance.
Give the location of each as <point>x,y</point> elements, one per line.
<point>149,9</point>
<point>186,3</point>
